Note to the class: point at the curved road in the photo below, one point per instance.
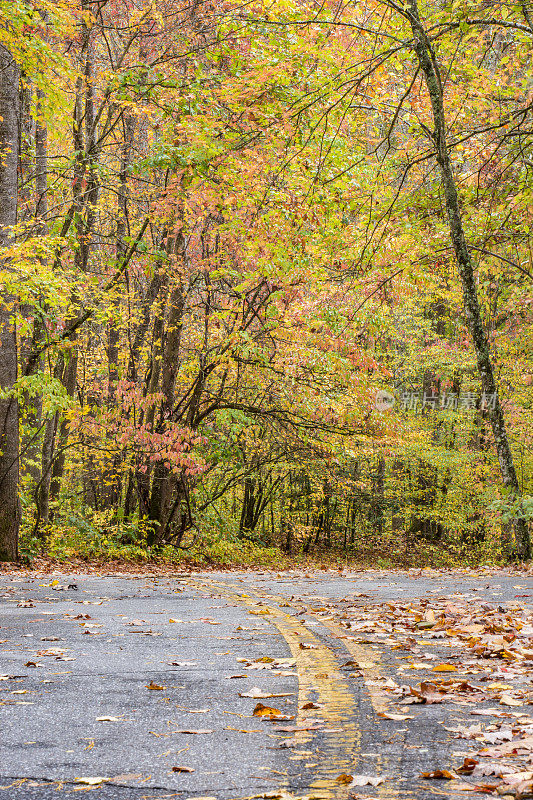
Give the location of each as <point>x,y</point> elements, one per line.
<point>121,687</point>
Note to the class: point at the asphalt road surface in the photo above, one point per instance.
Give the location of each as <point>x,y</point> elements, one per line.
<point>120,688</point>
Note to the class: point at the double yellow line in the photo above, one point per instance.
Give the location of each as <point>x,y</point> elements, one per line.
<point>320,680</point>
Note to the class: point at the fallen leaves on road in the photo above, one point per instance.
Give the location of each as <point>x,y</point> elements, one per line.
<point>344,778</point>
<point>440,774</point>
<point>270,713</point>
<point>461,654</point>
<point>397,717</point>
<point>257,693</point>
<point>454,637</point>
<point>364,780</point>
<point>196,731</point>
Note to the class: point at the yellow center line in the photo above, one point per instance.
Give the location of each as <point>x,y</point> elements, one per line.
<point>320,680</point>
<point>366,659</point>
<point>368,662</point>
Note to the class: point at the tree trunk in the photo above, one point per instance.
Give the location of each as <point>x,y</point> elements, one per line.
<point>33,403</point>
<point>164,481</point>
<point>430,69</point>
<point>111,481</point>
<point>9,411</point>
<point>42,500</point>
<point>85,200</point>
<point>69,382</point>
<point>376,513</point>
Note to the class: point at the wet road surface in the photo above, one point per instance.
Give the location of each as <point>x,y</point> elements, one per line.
<point>122,687</point>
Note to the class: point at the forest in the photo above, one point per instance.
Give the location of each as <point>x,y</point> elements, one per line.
<point>267,279</point>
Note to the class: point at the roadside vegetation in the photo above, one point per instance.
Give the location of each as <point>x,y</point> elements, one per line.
<point>266,282</point>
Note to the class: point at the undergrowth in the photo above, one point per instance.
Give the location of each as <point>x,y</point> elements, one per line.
<point>94,537</point>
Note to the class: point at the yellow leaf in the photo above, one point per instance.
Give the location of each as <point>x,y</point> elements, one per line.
<point>155,686</point>
<point>344,778</point>
<point>266,711</point>
<point>444,668</point>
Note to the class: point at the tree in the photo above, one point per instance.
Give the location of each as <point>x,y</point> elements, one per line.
<point>434,82</point>
<point>232,232</point>
<point>9,411</point>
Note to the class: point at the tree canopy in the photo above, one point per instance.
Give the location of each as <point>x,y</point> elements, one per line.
<point>267,276</point>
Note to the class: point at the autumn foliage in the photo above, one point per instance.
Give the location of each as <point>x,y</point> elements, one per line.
<point>233,232</point>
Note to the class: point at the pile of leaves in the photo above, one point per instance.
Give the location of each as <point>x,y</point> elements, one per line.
<point>478,655</point>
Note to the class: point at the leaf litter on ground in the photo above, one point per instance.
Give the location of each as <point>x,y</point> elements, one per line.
<point>489,641</point>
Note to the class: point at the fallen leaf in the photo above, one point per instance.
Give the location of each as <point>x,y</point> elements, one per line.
<point>90,781</point>
<point>509,700</point>
<point>468,766</point>
<point>127,776</point>
<point>509,747</point>
<point>266,711</point>
<point>182,769</point>
<point>495,737</point>
<point>200,730</point>
<point>195,710</point>
<point>366,780</point>
<point>440,774</point>
<point>428,693</point>
<point>399,717</point>
<point>344,778</point>
<point>257,693</point>
<point>155,686</point>
<point>518,777</point>
<point>294,728</point>
<point>488,768</point>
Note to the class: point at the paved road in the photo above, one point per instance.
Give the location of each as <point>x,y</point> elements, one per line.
<point>197,640</point>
